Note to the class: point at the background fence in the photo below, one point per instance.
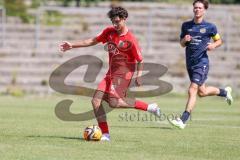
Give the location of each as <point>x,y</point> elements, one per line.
<point>29,52</point>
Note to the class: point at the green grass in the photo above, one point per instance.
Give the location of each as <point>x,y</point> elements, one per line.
<point>29,130</point>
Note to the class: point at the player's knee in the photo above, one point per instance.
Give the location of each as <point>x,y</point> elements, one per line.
<point>192,90</point>
<point>113,103</point>
<point>202,93</point>
<point>96,102</point>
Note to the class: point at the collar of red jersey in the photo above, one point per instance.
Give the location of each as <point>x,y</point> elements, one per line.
<point>123,34</point>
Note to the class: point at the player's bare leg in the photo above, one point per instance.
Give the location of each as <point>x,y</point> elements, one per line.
<point>97,106</point>
<point>135,104</point>
<point>192,97</point>
<point>204,91</point>
<point>100,114</point>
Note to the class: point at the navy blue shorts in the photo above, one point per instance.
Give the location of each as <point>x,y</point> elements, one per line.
<point>198,74</point>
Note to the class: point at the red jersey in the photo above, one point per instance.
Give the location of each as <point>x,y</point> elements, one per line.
<point>123,52</point>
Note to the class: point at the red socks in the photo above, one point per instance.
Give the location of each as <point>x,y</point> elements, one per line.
<point>104,127</point>
<point>138,105</point>
<point>141,105</point>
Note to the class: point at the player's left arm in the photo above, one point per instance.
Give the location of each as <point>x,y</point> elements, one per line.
<point>136,50</point>
<point>217,41</point>
<point>138,81</point>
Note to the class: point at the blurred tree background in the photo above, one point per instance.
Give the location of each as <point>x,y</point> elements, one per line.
<point>19,7</point>
<point>16,8</point>
<point>225,1</point>
<point>78,2</point>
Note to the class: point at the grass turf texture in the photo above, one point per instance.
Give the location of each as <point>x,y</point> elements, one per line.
<point>29,130</point>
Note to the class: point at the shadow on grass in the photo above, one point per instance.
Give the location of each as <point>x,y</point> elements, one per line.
<point>151,127</point>
<point>57,137</point>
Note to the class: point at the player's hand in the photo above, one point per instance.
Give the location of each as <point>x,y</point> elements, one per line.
<point>65,46</point>
<point>211,46</point>
<point>187,38</point>
<point>138,81</point>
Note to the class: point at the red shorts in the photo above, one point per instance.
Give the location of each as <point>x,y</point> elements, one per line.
<point>114,86</point>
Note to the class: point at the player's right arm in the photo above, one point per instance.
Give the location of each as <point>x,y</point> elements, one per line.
<point>184,36</point>
<point>187,38</point>
<point>78,44</point>
<point>101,37</point>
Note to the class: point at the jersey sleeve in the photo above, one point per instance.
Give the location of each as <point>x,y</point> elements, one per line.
<point>102,36</point>
<point>214,33</point>
<point>183,31</point>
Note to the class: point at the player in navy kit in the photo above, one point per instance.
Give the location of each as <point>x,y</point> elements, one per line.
<point>196,36</point>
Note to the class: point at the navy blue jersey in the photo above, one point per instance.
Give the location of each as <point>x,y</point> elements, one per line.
<point>196,49</point>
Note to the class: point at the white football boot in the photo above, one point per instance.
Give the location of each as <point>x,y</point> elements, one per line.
<point>229,97</point>
<point>178,123</point>
<point>154,109</point>
<point>105,137</point>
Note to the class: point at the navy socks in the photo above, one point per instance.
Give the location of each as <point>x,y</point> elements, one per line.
<point>222,93</point>
<point>185,116</point>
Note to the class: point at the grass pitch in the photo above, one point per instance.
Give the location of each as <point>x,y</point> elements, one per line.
<point>29,130</point>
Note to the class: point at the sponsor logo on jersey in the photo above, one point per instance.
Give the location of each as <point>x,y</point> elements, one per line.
<point>203,30</point>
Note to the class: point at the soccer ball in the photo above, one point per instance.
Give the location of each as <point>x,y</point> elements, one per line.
<point>92,133</point>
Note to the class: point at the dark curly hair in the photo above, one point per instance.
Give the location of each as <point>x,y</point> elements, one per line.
<point>117,12</point>
<point>204,2</point>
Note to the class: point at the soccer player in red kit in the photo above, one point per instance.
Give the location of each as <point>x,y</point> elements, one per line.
<point>124,59</point>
